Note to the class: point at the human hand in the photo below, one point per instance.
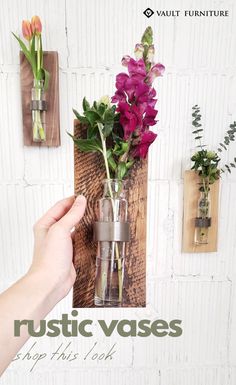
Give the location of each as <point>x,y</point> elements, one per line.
<point>53,249</point>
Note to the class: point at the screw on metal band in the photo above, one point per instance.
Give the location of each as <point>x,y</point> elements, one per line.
<point>202,222</point>
<point>38,105</point>
<point>111,231</point>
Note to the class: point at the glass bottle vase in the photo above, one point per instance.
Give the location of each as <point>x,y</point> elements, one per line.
<point>38,108</point>
<point>111,231</point>
<point>203,219</point>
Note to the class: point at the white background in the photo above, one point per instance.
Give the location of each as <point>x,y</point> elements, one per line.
<point>200,58</point>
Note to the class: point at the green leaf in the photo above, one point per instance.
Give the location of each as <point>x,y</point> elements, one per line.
<point>112,163</point>
<point>95,105</point>
<point>120,148</point>
<point>87,145</point>
<point>86,105</point>
<point>33,52</point>
<point>101,109</point>
<point>91,131</point>
<point>121,170</point>
<point>129,164</point>
<point>197,131</point>
<point>26,53</point>
<point>108,122</point>
<point>81,118</point>
<point>93,117</point>
<point>46,78</point>
<point>222,145</point>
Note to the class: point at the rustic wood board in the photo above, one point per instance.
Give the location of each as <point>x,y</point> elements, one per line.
<point>88,174</point>
<point>191,196</point>
<point>52,98</point>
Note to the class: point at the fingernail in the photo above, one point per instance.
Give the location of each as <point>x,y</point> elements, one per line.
<point>80,199</point>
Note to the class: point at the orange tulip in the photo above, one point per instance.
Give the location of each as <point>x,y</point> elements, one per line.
<point>26,29</point>
<point>36,25</point>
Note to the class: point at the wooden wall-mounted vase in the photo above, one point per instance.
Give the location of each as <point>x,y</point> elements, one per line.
<point>89,174</point>
<point>191,196</point>
<point>52,98</point>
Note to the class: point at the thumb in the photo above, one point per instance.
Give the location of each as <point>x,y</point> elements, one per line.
<point>73,216</point>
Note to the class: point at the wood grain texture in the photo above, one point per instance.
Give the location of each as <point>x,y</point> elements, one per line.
<point>52,98</point>
<point>89,173</point>
<point>191,196</point>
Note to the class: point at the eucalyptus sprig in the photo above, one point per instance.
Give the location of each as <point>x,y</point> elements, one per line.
<point>205,162</point>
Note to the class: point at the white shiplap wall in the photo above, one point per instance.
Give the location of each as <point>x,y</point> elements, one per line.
<point>91,36</point>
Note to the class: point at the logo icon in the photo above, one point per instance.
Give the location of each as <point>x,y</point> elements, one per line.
<point>148,12</point>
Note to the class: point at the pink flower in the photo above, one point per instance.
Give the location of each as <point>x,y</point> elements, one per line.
<point>125,60</point>
<point>26,29</point>
<point>36,25</point>
<point>141,150</point>
<point>150,54</point>
<point>150,114</point>
<point>138,51</point>
<point>157,70</point>
<point>130,118</point>
<point>137,67</point>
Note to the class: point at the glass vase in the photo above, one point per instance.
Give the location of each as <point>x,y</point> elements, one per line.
<point>111,231</point>
<point>203,219</point>
<point>38,108</point>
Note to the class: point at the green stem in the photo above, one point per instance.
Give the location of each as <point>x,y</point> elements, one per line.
<point>38,54</point>
<point>104,152</point>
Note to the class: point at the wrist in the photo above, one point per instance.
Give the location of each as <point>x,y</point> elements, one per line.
<point>50,286</point>
<point>43,286</point>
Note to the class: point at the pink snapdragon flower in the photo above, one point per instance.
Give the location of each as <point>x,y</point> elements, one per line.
<point>150,54</point>
<point>136,99</point>
<point>130,118</point>
<point>141,150</point>
<point>138,51</point>
<point>157,70</point>
<point>125,60</point>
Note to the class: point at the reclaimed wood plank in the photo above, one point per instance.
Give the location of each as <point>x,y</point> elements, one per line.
<point>52,98</point>
<point>191,196</point>
<point>89,173</point>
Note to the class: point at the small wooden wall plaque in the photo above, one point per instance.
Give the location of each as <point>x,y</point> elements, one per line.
<point>89,174</point>
<point>52,98</point>
<point>191,196</point>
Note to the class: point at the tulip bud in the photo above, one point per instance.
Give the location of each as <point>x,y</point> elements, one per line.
<point>26,29</point>
<point>139,50</point>
<point>147,37</point>
<point>125,60</point>
<point>150,53</point>
<point>36,25</point>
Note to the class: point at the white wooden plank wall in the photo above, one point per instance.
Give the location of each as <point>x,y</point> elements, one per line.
<point>91,36</point>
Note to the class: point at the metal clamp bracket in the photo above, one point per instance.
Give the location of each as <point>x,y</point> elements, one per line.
<point>111,231</point>
<point>202,222</point>
<point>38,105</point>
